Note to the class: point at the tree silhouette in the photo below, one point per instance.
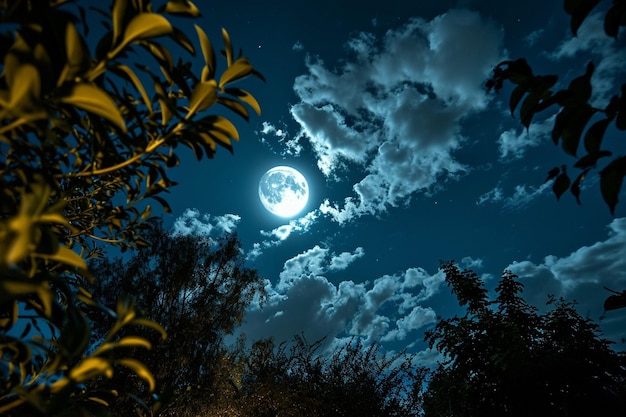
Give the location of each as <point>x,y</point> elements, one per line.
<point>197,288</point>
<point>504,358</point>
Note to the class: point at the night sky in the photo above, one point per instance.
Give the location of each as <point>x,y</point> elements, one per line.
<point>382,107</point>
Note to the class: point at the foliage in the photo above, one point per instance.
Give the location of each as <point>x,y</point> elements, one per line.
<point>198,289</point>
<point>576,114</point>
<point>299,381</point>
<point>504,358</point>
<point>86,136</point>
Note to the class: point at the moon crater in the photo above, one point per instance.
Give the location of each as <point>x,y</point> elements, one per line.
<point>283,191</point>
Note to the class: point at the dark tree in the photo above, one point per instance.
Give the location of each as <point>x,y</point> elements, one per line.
<point>198,289</point>
<point>504,358</point>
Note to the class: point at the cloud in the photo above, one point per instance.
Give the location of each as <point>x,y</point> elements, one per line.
<point>192,222</point>
<point>272,136</point>
<point>304,300</point>
<point>601,263</point>
<point>522,195</point>
<point>514,143</point>
<point>395,109</point>
<point>315,261</point>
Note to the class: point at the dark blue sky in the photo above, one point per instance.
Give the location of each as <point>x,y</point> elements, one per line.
<point>409,162</point>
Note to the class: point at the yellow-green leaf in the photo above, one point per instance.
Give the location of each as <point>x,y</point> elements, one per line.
<point>98,400</point>
<point>91,368</point>
<point>133,341</point>
<point>66,256</point>
<point>140,369</point>
<point>228,47</point>
<point>208,53</point>
<point>246,97</point>
<point>137,83</point>
<point>236,71</point>
<point>139,321</point>
<point>146,25</point>
<point>119,10</point>
<point>74,46</point>
<point>226,126</point>
<point>91,98</point>
<point>26,87</point>
<point>203,96</point>
<point>182,7</point>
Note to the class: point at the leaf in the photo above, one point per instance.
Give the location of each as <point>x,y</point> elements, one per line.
<point>89,369</point>
<point>164,204</point>
<point>516,96</point>
<point>25,88</point>
<point>591,159</point>
<point>91,98</point>
<point>552,174</point>
<point>181,7</point>
<point>579,10</point>
<point>575,188</point>
<point>144,26</point>
<point>182,39</point>
<point>611,178</point>
<point>528,109</point>
<point>127,73</point>
<point>66,256</point>
<point>614,302</point>
<point>141,370</point>
<point>236,71</point>
<point>203,96</point>
<point>228,48</point>
<point>208,53</point>
<point>561,184</point>
<point>133,341</point>
<point>246,97</point>
<point>595,134</point>
<point>119,11</point>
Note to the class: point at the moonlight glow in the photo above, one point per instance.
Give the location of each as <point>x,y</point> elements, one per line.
<point>283,191</point>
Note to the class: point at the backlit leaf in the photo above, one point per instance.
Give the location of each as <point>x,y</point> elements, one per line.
<point>130,75</point>
<point>140,369</point>
<point>228,47</point>
<point>203,96</point>
<point>144,26</point>
<point>91,368</point>
<point>93,99</point>
<point>236,71</point>
<point>208,53</point>
<point>246,97</point>
<point>182,7</point>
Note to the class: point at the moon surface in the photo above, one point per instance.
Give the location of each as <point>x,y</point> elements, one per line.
<point>283,191</point>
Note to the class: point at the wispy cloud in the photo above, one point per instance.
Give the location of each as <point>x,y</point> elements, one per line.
<point>396,108</point>
<point>521,197</point>
<point>192,222</point>
<point>514,143</point>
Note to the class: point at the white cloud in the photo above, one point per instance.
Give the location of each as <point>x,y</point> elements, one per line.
<point>305,301</point>
<point>192,222</point>
<point>315,261</point>
<point>397,110</point>
<point>601,263</point>
<point>522,195</point>
<point>514,143</point>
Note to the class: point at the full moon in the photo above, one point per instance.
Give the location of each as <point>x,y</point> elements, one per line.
<point>283,191</point>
